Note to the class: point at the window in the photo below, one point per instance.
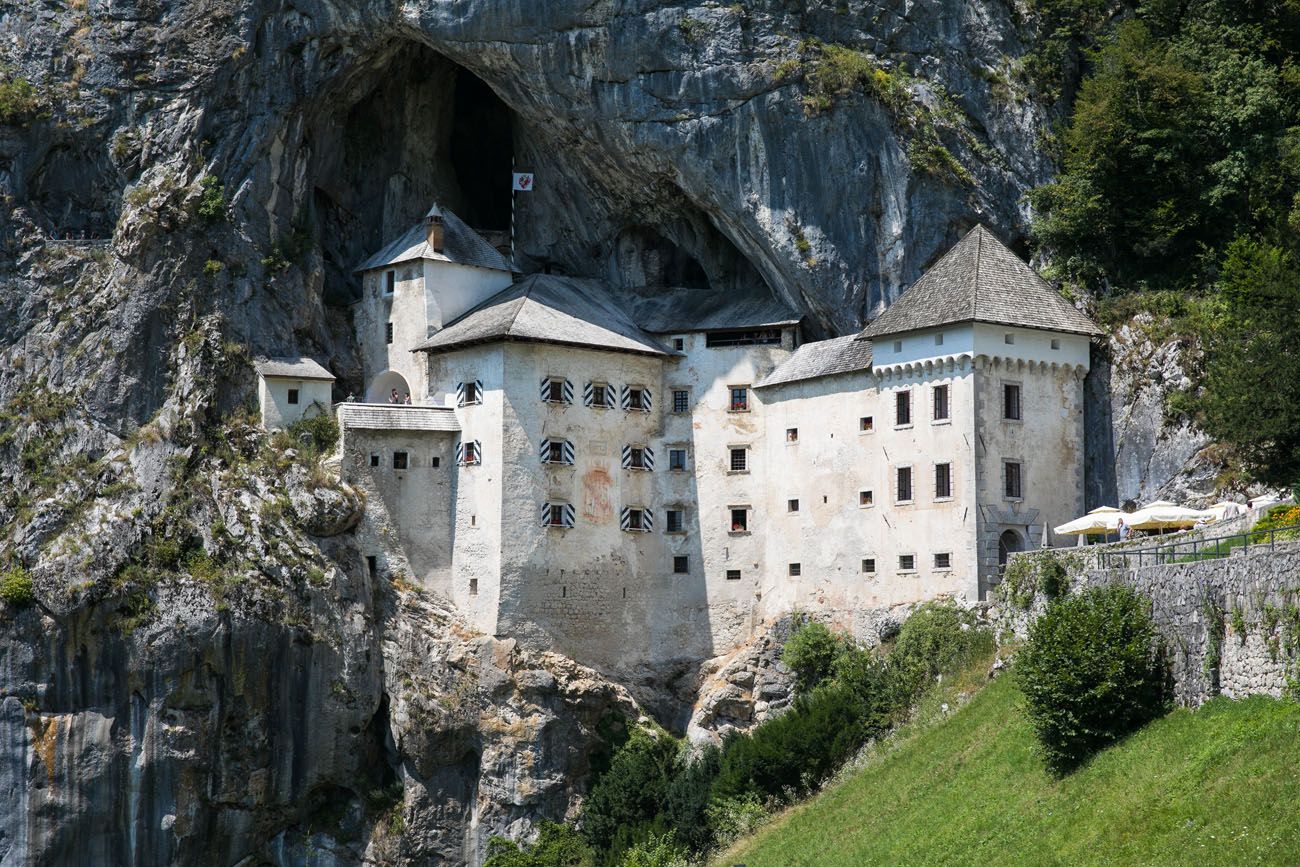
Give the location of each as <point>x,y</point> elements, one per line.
<point>675,521</point>
<point>293,396</point>
<point>435,462</point>
<point>469,393</point>
<point>636,520</point>
<point>903,408</point>
<point>740,520</point>
<point>681,400</point>
<point>374,459</point>
<point>372,565</point>
<point>1011,401</point>
<point>1056,343</point>
<point>681,565</point>
<point>938,339</point>
<point>1013,482</point>
<point>795,569</point>
<point>906,562</point>
<point>1008,338</point>
<point>399,460</point>
<point>733,574</point>
<point>558,515</point>
<point>762,337</point>
<point>942,481</point>
<point>679,344</point>
<point>866,498</point>
<point>792,505</point>
<point>904,485</point>
<point>677,460</point>
<point>739,398</point>
<point>898,346</point>
<point>473,587</point>
<point>469,453</point>
<point>557,390</point>
<point>556,452</point>
<point>390,282</point>
<point>869,565</point>
<point>599,395</point>
<point>638,458</point>
<point>388,332</point>
<point>739,459</point>
<point>636,398</point>
<point>866,424</point>
<point>943,561</point>
<point>940,403</point>
<point>792,434</point>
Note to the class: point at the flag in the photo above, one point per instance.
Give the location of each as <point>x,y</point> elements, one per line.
<point>523,182</point>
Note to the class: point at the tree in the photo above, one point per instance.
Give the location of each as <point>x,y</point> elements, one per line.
<point>1251,399</point>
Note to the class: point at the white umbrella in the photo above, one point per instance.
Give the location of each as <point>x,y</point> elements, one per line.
<point>1225,509</point>
<point>1101,520</point>
<point>1163,515</point>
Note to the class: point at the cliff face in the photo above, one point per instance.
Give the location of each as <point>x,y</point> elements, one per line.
<point>210,674</point>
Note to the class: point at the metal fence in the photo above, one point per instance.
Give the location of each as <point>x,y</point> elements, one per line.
<point>1195,550</point>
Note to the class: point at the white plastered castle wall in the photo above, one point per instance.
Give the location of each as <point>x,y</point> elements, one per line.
<point>427,294</point>
<point>273,399</point>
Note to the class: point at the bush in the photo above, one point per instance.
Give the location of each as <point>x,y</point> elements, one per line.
<point>322,430</point>
<point>810,653</point>
<point>16,588</point>
<point>660,850</point>
<point>938,637</point>
<point>19,100</point>
<point>686,805</point>
<point>630,793</point>
<point>556,846</point>
<point>1092,671</point>
<point>212,199</point>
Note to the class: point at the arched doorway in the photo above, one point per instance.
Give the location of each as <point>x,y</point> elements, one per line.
<point>1008,543</point>
<point>382,387</point>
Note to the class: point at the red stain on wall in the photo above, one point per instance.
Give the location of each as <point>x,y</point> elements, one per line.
<point>596,504</point>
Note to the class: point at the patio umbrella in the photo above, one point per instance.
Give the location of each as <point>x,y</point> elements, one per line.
<point>1221,511</point>
<point>1164,515</point>
<point>1098,521</point>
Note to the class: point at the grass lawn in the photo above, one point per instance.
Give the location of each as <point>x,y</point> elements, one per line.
<point>1219,785</point>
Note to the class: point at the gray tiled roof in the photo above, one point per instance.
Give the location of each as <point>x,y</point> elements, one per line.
<point>461,245</point>
<point>679,308</point>
<point>293,367</point>
<point>980,280</point>
<point>551,309</point>
<point>822,358</point>
<point>382,416</point>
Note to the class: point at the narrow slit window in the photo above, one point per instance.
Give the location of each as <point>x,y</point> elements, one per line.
<point>940,403</point>
<point>903,408</point>
<point>1011,401</point>
<point>942,481</point>
<point>1014,482</point>
<point>904,485</point>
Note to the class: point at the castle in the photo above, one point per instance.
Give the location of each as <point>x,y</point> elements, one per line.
<point>633,477</point>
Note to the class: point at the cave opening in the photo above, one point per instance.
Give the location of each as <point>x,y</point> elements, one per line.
<point>644,257</point>
<point>482,150</point>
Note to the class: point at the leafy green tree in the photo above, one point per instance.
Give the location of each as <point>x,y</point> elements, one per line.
<point>623,805</point>
<point>1091,672</point>
<point>1251,399</point>
<point>810,652</point>
<point>557,846</point>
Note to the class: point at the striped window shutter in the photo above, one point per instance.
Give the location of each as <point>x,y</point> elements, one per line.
<point>588,394</point>
<point>646,401</point>
<point>570,515</point>
<point>567,388</point>
<point>460,394</point>
<point>546,382</point>
<point>546,514</point>
<point>647,520</point>
<point>545,451</point>
<point>625,518</point>
<point>625,397</point>
<point>648,457</point>
<point>460,453</point>
<point>627,457</point>
<point>609,395</point>
<point>478,390</point>
<point>478,452</point>
<point>567,448</point>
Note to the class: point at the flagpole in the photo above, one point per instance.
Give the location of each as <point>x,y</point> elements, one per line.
<point>513,196</point>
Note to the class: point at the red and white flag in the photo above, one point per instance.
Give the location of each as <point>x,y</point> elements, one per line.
<point>523,182</point>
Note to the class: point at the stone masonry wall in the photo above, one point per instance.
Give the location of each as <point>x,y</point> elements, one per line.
<point>1249,598</point>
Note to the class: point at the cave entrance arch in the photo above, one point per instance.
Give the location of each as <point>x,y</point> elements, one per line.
<point>644,257</point>
<point>482,152</point>
<point>382,387</point>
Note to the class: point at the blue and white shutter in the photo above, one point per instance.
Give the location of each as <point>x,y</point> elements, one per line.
<point>460,394</point>
<point>627,459</point>
<point>589,394</point>
<point>478,391</point>
<point>478,452</point>
<point>546,514</point>
<point>646,401</point>
<point>567,449</point>
<point>460,454</point>
<point>625,518</point>
<point>566,388</point>
<point>570,515</point>
<point>625,398</point>
<point>609,395</point>
<point>648,457</point>
<point>544,453</point>
<point>647,520</point>
<point>546,388</point>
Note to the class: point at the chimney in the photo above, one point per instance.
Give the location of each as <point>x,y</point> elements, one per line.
<point>434,231</point>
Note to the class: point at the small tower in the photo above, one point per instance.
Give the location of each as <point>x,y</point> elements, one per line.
<point>434,231</point>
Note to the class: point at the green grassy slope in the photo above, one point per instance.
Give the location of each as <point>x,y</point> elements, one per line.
<point>1220,785</point>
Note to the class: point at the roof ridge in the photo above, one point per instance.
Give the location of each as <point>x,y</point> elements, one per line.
<point>975,275</point>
